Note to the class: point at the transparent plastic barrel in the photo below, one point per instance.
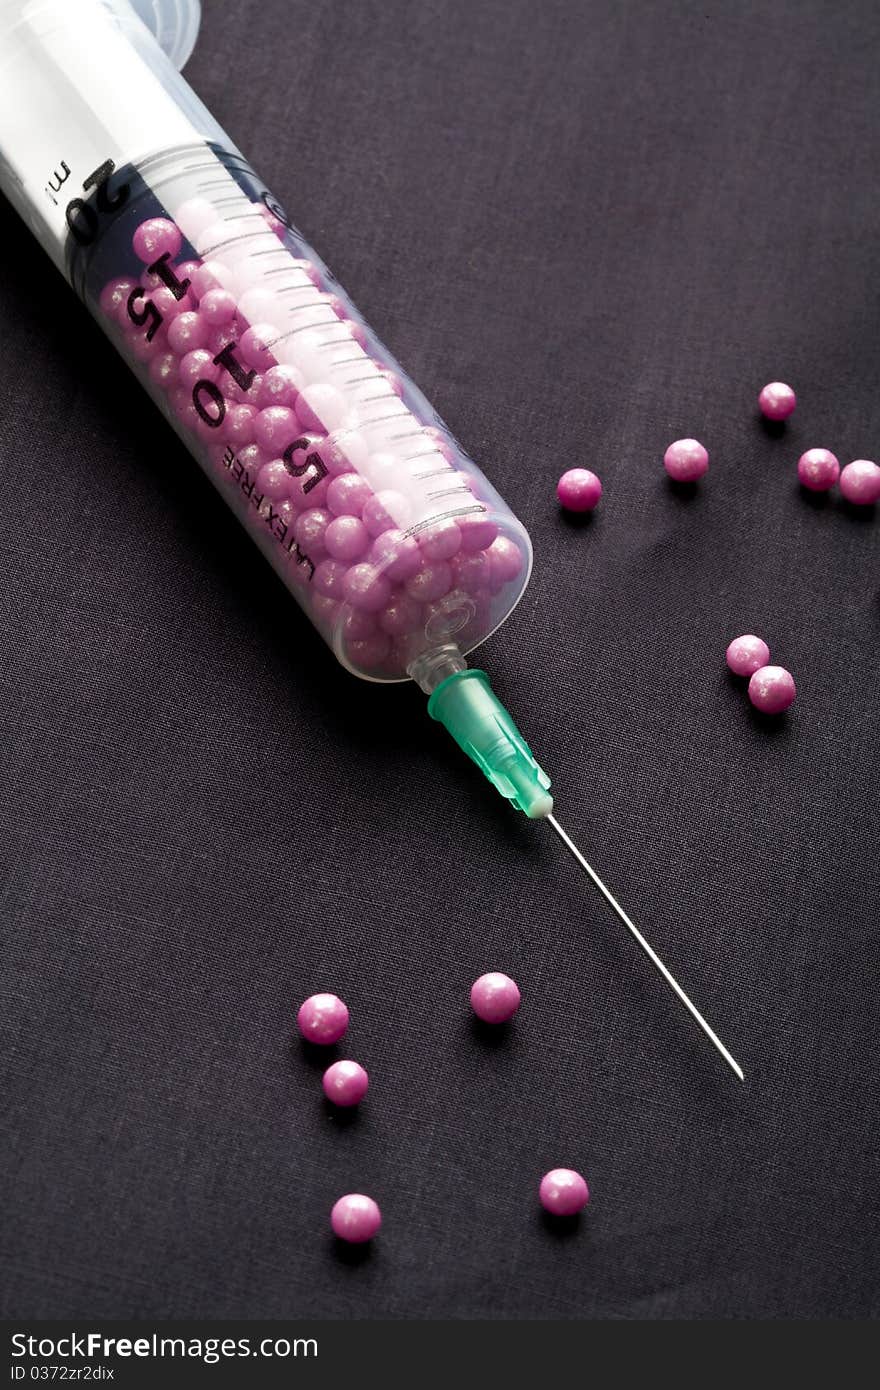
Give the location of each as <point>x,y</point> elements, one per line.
<point>384,530</point>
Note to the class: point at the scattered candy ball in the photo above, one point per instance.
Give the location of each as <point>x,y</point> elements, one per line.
<point>323,1018</point>
<point>772,689</point>
<point>563,1192</point>
<point>746,654</point>
<point>860,482</point>
<point>355,1218</point>
<point>495,998</point>
<point>818,469</point>
<point>579,490</point>
<point>777,401</point>
<point>345,1083</point>
<point>686,460</point>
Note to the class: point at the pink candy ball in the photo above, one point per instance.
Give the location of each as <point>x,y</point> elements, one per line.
<point>154,238</point>
<point>345,1083</point>
<point>347,538</point>
<point>187,331</point>
<point>686,460</point>
<point>355,1218</point>
<point>772,689</point>
<point>217,306</point>
<point>860,482</point>
<point>323,1018</point>
<point>747,654</point>
<point>579,490</point>
<point>563,1192</point>
<point>495,998</point>
<point>364,587</point>
<point>818,469</point>
<point>777,401</point>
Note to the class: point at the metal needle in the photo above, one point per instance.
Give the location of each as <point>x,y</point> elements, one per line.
<point>651,954</point>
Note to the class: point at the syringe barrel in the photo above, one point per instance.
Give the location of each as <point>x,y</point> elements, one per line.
<point>384,530</point>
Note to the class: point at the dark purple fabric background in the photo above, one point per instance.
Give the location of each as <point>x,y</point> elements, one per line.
<point>586,229</point>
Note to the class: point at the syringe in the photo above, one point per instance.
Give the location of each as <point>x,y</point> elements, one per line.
<point>390,538</point>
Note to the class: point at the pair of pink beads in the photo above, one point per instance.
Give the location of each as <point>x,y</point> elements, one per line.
<point>819,470</point>
<point>323,1019</point>
<point>495,998</point>
<point>686,460</point>
<point>771,688</point>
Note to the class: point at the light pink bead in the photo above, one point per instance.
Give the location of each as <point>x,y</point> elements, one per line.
<point>777,401</point>
<point>345,1083</point>
<point>256,346</point>
<point>281,385</point>
<point>114,297</point>
<point>505,562</point>
<point>276,427</point>
<point>860,482</point>
<point>323,1018</point>
<point>218,307</point>
<point>365,588</point>
<point>441,541</point>
<point>563,1192</point>
<point>495,998</point>
<point>401,615</point>
<point>747,654</point>
<point>477,533</point>
<point>329,577</point>
<point>309,530</point>
<point>431,582</point>
<point>368,653</point>
<point>321,407</point>
<point>347,538</point>
<point>385,511</point>
<point>772,689</point>
<point>397,555</point>
<point>355,1218</point>
<point>164,370</point>
<point>818,469</point>
<point>579,490</point>
<point>211,275</point>
<point>154,238</point>
<point>686,460</point>
<point>348,494</point>
<point>239,425</point>
<point>274,481</point>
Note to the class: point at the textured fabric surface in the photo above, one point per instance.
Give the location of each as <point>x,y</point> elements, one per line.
<point>586,229</point>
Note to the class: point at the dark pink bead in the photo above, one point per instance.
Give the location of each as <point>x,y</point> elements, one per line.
<point>197,365</point>
<point>579,490</point>
<point>563,1192</point>
<point>370,653</point>
<point>357,625</point>
<point>355,1218</point>
<point>400,615</point>
<point>860,482</point>
<point>323,1019</point>
<point>156,237</point>
<point>777,401</point>
<point>239,426</point>
<point>495,998</point>
<point>746,654</point>
<point>345,1083</point>
<point>818,470</point>
<point>772,689</point>
<point>686,460</point>
<point>187,332</point>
